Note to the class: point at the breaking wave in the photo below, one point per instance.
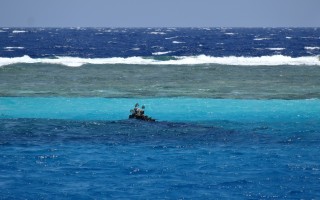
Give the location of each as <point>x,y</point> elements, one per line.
<point>276,49</point>
<point>169,60</point>
<point>259,39</point>
<point>19,31</point>
<point>161,53</point>
<point>312,48</point>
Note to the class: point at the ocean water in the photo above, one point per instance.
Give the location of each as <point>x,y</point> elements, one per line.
<point>236,109</point>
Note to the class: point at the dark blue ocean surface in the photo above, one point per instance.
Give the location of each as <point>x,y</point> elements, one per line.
<point>236,109</point>
<point>64,159</point>
<point>128,42</point>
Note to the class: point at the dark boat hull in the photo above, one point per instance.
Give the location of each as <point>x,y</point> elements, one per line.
<point>143,118</point>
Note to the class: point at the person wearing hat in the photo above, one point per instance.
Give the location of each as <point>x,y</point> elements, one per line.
<point>138,113</point>
<point>137,110</point>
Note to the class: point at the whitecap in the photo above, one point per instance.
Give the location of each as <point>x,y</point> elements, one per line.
<point>78,28</point>
<point>311,48</point>
<point>161,53</point>
<point>177,42</point>
<point>288,38</point>
<point>19,31</point>
<point>135,49</point>
<point>229,33</point>
<point>11,48</point>
<point>170,38</point>
<point>259,39</point>
<point>157,33</point>
<point>276,49</point>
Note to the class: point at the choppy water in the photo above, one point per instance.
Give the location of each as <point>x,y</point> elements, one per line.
<point>237,113</point>
<point>142,42</point>
<point>132,159</point>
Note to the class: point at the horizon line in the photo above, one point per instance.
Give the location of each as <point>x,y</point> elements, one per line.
<point>3,27</point>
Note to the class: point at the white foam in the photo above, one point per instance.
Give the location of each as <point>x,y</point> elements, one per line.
<point>276,49</point>
<point>161,53</point>
<point>169,38</point>
<point>11,48</point>
<point>259,39</point>
<point>157,33</point>
<point>18,31</point>
<point>177,42</point>
<point>178,60</point>
<point>230,33</point>
<point>135,49</point>
<point>288,38</point>
<point>311,48</point>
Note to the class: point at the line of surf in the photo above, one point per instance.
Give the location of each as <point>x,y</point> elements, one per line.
<point>174,60</point>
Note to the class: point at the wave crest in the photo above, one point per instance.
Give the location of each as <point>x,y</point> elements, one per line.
<point>174,60</point>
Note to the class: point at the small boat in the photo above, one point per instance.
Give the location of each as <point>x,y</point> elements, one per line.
<point>138,113</point>
<point>141,117</point>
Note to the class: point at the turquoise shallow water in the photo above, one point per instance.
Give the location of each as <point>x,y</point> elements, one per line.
<point>162,109</point>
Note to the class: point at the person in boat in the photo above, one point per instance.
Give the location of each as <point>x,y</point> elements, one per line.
<point>137,110</point>
<point>142,110</point>
<point>138,113</point>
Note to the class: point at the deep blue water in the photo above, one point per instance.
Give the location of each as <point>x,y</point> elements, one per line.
<point>236,109</point>
<point>65,159</point>
<point>128,42</point>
